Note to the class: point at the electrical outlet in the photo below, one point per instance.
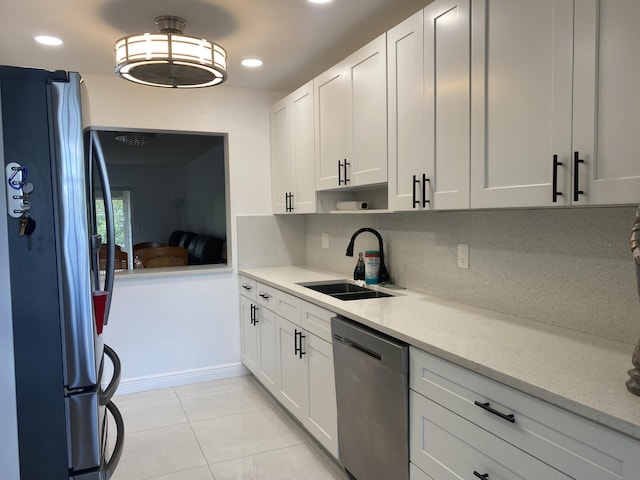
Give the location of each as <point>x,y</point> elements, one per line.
<point>325,240</point>
<point>463,255</point>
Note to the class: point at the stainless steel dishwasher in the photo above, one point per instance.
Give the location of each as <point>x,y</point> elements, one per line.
<point>372,385</point>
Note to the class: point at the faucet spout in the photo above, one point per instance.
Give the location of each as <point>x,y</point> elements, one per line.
<point>383,274</point>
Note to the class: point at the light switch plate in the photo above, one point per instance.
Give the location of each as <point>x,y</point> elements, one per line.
<point>325,240</point>
<point>463,255</point>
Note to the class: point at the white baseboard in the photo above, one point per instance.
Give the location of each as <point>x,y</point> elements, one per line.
<point>184,377</point>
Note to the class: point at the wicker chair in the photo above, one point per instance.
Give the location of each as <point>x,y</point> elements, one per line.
<point>163,257</point>
<point>121,259</point>
<point>138,248</point>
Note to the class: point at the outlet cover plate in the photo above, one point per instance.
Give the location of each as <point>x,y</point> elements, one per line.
<point>463,255</point>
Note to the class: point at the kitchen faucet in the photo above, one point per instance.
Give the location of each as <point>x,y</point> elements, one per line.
<point>383,274</point>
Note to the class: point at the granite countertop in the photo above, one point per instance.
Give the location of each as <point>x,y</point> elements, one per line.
<point>581,373</point>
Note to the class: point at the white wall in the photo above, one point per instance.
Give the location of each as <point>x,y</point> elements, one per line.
<point>186,326</point>
<point>171,330</point>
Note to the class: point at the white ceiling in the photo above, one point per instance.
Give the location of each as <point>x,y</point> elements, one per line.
<point>296,39</point>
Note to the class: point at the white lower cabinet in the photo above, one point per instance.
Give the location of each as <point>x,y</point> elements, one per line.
<point>320,412</point>
<point>249,335</point>
<point>450,447</point>
<point>464,425</point>
<point>268,365</point>
<point>286,344</point>
<point>291,390</point>
<point>306,384</point>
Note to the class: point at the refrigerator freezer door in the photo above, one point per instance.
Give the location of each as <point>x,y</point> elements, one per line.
<point>86,423</point>
<point>83,349</point>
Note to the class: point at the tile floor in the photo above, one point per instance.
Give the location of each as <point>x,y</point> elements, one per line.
<point>228,429</point>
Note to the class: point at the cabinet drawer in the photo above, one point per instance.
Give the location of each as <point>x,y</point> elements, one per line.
<point>448,447</point>
<point>416,474</point>
<point>317,320</point>
<point>576,446</point>
<point>247,287</point>
<point>285,305</point>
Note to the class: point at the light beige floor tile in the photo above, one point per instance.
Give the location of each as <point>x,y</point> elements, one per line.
<point>299,462</point>
<point>202,387</point>
<point>224,399</point>
<point>200,473</point>
<point>155,412</point>
<point>250,433</point>
<point>143,396</point>
<point>159,451</point>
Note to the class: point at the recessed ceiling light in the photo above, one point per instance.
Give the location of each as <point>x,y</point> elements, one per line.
<point>48,40</point>
<point>320,1</point>
<point>251,62</point>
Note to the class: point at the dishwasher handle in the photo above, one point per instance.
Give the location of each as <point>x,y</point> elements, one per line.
<point>365,350</point>
<point>389,351</point>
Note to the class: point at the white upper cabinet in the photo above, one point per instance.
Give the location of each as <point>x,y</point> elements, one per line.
<point>281,159</point>
<point>429,101</point>
<point>521,101</point>
<point>405,83</point>
<point>292,153</point>
<point>351,120</point>
<point>607,102</point>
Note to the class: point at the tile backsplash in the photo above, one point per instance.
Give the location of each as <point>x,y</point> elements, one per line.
<point>566,267</point>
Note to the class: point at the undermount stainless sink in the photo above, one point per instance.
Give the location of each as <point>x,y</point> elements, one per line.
<point>344,290</point>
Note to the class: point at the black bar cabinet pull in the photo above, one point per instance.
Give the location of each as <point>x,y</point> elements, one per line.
<point>289,202</point>
<point>576,171</point>
<point>254,317</point>
<point>340,172</point>
<point>415,181</point>
<point>487,407</point>
<point>484,476</point>
<point>346,180</point>
<point>301,352</point>
<point>286,202</point>
<point>297,343</point>
<point>556,164</point>
<point>425,180</point>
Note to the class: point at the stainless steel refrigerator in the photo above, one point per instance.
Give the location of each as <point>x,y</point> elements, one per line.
<point>58,296</point>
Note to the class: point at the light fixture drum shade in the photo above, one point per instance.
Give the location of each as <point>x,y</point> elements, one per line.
<point>170,60</point>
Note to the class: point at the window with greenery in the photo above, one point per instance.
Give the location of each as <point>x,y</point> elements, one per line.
<point>121,200</point>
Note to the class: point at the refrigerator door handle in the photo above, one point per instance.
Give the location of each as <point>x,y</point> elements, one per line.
<point>119,446</point>
<point>108,211</point>
<point>108,392</point>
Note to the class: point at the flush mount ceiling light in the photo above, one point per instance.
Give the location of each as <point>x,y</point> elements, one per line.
<point>169,58</point>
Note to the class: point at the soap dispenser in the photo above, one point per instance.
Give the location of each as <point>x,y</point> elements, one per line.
<point>358,273</point>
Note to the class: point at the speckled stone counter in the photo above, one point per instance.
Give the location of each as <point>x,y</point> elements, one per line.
<point>581,373</point>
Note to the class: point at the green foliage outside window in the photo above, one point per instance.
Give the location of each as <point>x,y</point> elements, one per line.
<point>118,219</point>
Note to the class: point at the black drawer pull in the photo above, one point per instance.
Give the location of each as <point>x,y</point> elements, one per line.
<point>266,296</point>
<point>415,202</point>
<point>246,287</point>
<point>487,407</point>
<point>484,476</point>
